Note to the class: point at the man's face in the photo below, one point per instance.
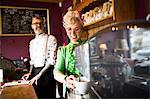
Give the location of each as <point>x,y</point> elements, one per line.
<point>37,26</point>
<point>73,31</point>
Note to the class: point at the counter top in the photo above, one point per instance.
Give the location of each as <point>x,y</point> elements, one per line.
<point>18,92</point>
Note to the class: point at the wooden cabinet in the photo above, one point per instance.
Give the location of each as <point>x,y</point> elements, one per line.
<point>81,4</point>
<point>100,14</point>
<point>18,92</point>
<point>93,11</point>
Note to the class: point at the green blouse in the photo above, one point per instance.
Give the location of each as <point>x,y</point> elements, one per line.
<point>66,59</point>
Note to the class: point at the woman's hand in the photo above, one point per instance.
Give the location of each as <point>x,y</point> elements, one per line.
<point>34,79</point>
<point>70,81</point>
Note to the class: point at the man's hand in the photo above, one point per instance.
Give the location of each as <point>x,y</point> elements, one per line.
<point>26,76</point>
<point>34,80</point>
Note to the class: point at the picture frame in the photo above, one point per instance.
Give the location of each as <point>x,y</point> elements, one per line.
<point>16,21</point>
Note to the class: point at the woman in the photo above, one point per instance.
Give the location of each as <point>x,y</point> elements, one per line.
<point>65,71</point>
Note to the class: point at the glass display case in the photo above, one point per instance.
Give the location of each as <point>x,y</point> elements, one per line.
<point>111,75</point>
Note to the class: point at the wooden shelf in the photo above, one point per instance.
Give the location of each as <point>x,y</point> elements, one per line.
<point>121,25</point>
<point>82,5</point>
<point>102,19</point>
<point>87,4</point>
<point>122,11</point>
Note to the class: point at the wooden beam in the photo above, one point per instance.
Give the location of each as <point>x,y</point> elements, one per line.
<point>48,1</point>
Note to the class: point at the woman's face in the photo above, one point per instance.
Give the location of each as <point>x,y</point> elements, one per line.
<point>73,31</point>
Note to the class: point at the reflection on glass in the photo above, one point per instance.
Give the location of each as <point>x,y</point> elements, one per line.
<point>140,43</point>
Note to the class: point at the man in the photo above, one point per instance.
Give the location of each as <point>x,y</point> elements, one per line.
<point>42,54</point>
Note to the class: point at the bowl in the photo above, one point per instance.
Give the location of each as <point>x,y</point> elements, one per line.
<point>82,85</point>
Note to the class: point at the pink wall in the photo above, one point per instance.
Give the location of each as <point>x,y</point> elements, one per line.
<point>66,5</point>
<point>142,8</point>
<point>15,47</point>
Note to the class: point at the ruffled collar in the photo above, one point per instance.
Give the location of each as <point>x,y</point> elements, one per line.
<point>76,44</point>
<point>71,68</point>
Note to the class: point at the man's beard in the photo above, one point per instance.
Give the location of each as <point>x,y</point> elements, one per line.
<point>38,31</point>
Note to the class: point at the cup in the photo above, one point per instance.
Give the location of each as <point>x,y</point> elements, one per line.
<point>82,85</point>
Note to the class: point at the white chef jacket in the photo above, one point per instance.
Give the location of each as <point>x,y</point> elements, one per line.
<point>43,49</point>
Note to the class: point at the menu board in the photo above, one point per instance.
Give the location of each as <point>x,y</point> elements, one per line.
<point>17,20</point>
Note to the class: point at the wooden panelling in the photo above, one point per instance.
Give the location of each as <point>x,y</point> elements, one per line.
<point>48,1</point>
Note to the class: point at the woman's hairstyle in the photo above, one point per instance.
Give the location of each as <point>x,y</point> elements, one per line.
<point>71,17</point>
